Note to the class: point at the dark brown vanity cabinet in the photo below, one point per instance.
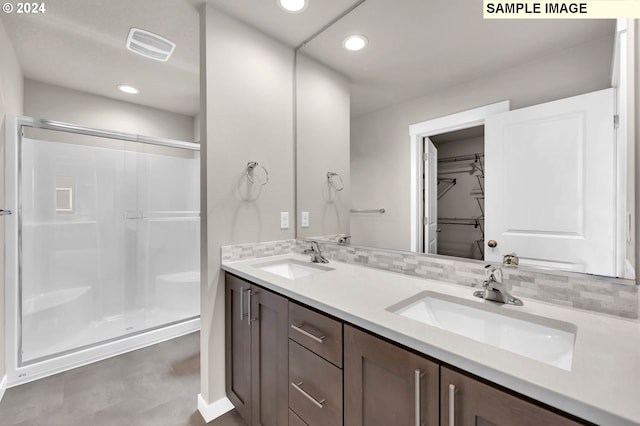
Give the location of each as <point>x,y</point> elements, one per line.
<point>466,401</point>
<point>387,385</point>
<point>287,364</point>
<point>257,352</point>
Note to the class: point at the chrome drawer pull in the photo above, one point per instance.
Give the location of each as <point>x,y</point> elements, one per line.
<point>418,377</point>
<point>250,293</point>
<point>298,328</point>
<point>297,387</point>
<point>452,405</point>
<point>241,304</point>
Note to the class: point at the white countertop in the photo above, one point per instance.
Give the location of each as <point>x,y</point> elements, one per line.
<point>603,385</point>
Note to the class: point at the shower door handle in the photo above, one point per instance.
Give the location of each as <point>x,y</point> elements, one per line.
<point>132,214</point>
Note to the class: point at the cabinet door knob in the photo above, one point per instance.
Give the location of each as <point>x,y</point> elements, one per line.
<point>492,243</point>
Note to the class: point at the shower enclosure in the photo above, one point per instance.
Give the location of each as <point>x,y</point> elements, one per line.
<point>102,247</point>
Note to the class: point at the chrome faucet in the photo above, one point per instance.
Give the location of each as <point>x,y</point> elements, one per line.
<point>316,254</point>
<point>494,289</point>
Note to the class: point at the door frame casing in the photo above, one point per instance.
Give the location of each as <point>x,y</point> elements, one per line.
<point>448,123</point>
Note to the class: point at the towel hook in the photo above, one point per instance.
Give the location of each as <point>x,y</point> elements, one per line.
<point>251,165</point>
<point>337,186</point>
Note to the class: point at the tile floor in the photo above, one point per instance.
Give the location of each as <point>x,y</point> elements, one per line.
<point>157,385</point>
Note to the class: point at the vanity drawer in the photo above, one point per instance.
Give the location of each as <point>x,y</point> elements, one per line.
<point>316,332</point>
<point>294,420</point>
<point>315,387</point>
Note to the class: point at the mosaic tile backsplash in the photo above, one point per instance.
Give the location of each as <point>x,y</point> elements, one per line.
<point>256,250</point>
<point>588,292</point>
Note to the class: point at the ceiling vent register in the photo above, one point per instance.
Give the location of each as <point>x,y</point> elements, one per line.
<point>150,45</point>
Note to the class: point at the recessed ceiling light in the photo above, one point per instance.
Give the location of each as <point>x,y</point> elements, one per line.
<point>293,5</point>
<point>355,42</point>
<point>128,89</point>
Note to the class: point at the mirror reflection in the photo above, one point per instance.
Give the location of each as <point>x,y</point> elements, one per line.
<point>465,137</point>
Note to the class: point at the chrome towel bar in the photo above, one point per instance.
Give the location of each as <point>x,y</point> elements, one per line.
<point>368,210</point>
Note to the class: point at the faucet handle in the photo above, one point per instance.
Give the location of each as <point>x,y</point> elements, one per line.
<point>493,273</point>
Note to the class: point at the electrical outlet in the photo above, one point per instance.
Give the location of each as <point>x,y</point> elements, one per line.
<point>284,220</point>
<point>304,219</point>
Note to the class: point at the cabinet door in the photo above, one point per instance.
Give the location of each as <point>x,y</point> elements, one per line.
<point>475,403</point>
<point>270,362</point>
<point>387,385</point>
<point>238,345</point>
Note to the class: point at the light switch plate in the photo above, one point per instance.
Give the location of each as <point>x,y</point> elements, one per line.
<point>284,220</point>
<point>304,219</point>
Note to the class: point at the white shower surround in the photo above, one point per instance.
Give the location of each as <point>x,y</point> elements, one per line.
<point>48,312</point>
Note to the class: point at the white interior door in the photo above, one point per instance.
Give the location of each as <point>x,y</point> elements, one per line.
<point>430,197</point>
<point>550,184</point>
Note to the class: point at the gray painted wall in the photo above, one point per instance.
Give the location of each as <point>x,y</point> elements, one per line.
<point>247,115</point>
<point>323,116</point>
<point>632,86</point>
<point>380,154</point>
<point>42,100</point>
<point>636,128</point>
<point>11,102</point>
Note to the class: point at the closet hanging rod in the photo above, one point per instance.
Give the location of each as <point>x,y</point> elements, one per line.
<point>475,222</point>
<point>467,157</point>
<point>447,180</point>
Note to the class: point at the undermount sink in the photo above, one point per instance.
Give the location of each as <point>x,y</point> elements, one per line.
<point>543,339</point>
<point>292,269</point>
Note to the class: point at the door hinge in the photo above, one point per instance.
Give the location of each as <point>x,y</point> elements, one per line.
<point>616,121</point>
<point>425,157</point>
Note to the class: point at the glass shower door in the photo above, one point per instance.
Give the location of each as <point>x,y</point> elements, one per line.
<point>72,240</point>
<point>166,230</point>
<point>109,242</point>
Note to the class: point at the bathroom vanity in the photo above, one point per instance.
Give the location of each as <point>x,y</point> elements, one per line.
<point>333,345</point>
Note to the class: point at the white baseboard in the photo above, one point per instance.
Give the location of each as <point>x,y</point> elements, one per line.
<point>3,386</point>
<point>213,410</point>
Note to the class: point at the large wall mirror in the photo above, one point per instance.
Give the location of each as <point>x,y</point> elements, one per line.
<point>454,135</point>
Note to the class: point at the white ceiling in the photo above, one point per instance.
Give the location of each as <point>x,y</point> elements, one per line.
<point>83,47</point>
<point>428,45</point>
<point>80,44</point>
<point>413,49</point>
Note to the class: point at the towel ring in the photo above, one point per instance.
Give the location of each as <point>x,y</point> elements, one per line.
<point>332,182</point>
<point>251,165</point>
